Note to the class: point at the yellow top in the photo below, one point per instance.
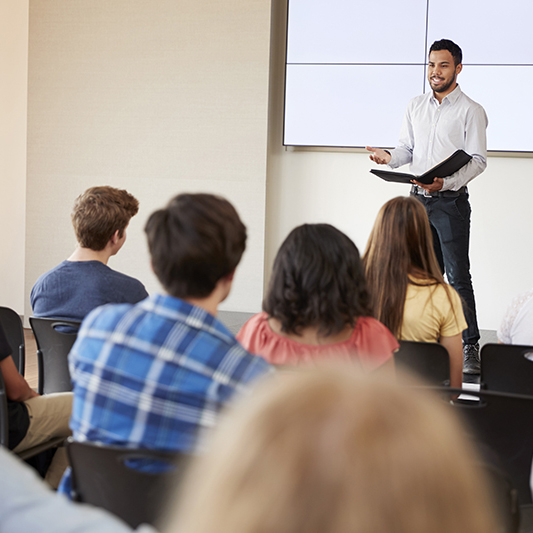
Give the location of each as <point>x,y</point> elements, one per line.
<point>429,314</point>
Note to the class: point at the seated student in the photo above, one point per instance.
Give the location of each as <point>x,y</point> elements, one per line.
<point>331,451</point>
<point>317,306</point>
<point>84,281</point>
<point>27,504</point>
<point>33,419</point>
<point>517,324</point>
<point>409,294</point>
<point>156,374</point>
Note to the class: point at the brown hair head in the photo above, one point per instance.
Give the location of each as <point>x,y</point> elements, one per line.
<point>99,212</point>
<point>328,450</point>
<point>400,244</point>
<point>317,280</point>
<point>195,241</point>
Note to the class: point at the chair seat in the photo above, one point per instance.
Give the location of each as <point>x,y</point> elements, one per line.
<point>34,450</point>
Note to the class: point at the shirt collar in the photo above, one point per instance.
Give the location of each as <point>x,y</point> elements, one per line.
<point>179,310</point>
<point>452,97</point>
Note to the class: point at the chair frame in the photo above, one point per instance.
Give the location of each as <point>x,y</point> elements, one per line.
<point>47,354</point>
<point>100,477</point>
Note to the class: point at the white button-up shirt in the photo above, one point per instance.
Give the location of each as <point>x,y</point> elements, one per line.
<point>431,133</point>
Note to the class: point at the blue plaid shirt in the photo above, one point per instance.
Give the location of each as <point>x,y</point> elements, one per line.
<point>154,374</point>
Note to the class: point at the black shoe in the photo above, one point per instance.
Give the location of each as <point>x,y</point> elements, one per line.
<point>471,360</point>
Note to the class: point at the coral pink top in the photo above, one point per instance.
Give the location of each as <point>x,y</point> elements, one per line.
<point>371,343</point>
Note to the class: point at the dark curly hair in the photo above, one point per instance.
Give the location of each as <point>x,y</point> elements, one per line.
<point>446,44</point>
<point>317,280</point>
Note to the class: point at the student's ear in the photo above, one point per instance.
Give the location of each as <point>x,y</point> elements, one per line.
<point>458,68</point>
<point>230,276</point>
<point>115,237</point>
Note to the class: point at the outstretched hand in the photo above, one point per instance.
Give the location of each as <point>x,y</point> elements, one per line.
<point>378,155</point>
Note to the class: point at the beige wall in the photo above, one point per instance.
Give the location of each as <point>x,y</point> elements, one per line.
<point>155,96</point>
<point>97,115</point>
<point>13,110</point>
<point>338,188</point>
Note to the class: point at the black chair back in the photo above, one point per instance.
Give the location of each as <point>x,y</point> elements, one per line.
<point>502,422</point>
<point>427,359</point>
<point>506,368</point>
<point>53,347</point>
<point>12,326</point>
<point>102,476</point>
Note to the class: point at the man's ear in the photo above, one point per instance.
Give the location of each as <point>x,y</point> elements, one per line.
<point>115,237</point>
<point>458,68</point>
<point>230,276</point>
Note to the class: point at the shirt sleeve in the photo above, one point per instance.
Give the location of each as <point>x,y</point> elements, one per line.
<point>476,146</point>
<point>454,322</point>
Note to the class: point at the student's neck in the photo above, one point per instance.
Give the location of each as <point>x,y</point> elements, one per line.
<point>86,254</point>
<point>208,304</point>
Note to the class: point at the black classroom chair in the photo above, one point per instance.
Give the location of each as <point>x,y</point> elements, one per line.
<point>12,326</point>
<point>53,347</point>
<point>102,476</point>
<point>502,423</point>
<point>506,368</point>
<point>427,359</point>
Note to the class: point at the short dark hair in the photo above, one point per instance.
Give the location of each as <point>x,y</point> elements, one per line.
<point>446,44</point>
<point>317,280</point>
<point>99,212</point>
<point>195,241</point>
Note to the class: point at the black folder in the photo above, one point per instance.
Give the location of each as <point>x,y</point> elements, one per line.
<point>445,168</point>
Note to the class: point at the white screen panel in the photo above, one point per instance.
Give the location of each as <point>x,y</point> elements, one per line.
<point>335,105</point>
<point>509,126</point>
<point>503,92</point>
<point>490,33</point>
<point>350,107</point>
<point>341,31</point>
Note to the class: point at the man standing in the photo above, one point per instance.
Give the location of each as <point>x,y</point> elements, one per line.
<point>436,124</point>
<point>84,281</point>
<point>156,374</point>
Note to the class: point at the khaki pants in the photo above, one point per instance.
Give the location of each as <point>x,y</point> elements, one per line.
<point>49,417</point>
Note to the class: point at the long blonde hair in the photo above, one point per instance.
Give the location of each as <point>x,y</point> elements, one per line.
<point>332,451</point>
<point>400,245</point>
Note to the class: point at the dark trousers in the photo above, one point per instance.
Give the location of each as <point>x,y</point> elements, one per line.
<point>449,217</point>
